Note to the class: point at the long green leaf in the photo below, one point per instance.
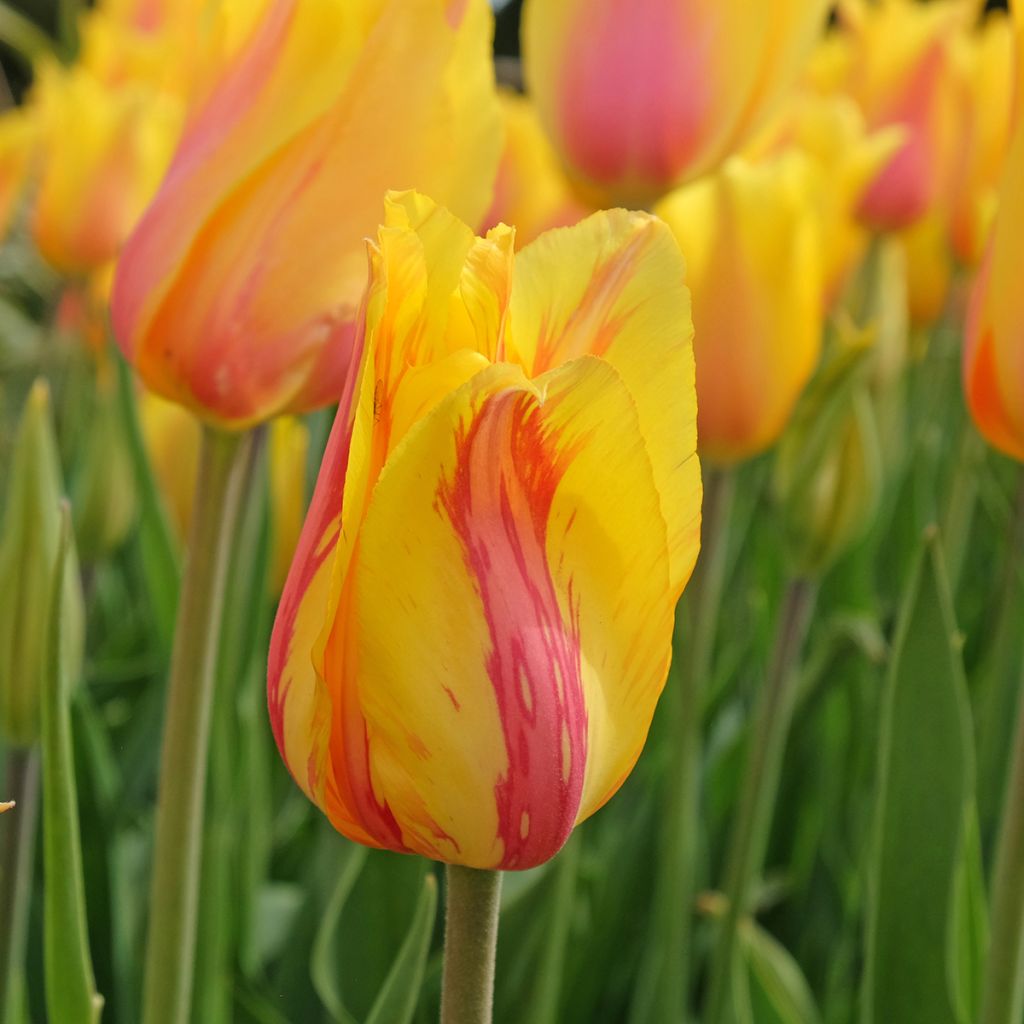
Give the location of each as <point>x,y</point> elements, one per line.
<point>397,1000</point>
<point>925,782</point>
<point>779,993</point>
<point>71,996</point>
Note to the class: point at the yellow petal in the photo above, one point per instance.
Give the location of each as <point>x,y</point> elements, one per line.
<point>613,286</point>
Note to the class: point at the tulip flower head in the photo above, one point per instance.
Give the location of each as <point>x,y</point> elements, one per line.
<point>7,805</point>
<point>478,621</point>
<point>994,349</point>
<point>237,296</point>
<point>895,59</point>
<point>751,236</point>
<point>639,95</point>
<point>17,133</point>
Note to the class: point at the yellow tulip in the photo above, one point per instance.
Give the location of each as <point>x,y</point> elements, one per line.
<point>895,58</point>
<point>994,349</point>
<point>929,267</point>
<point>102,150</point>
<point>751,236</point>
<point>478,621</point>
<point>238,294</point>
<point>7,805</point>
<point>639,95</point>
<point>172,437</point>
<point>532,193</point>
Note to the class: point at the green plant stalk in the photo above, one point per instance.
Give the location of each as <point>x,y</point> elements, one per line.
<point>22,35</point>
<point>225,474</point>
<point>71,995</point>
<point>760,787</point>
<point>676,882</point>
<point>1003,999</point>
<point>470,945</point>
<point>16,857</point>
<point>959,511</point>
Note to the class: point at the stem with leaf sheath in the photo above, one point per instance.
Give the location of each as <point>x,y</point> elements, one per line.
<point>1003,1000</point>
<point>223,486</point>
<point>470,945</point>
<point>760,787</point>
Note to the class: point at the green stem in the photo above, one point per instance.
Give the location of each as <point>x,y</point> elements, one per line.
<point>22,35</point>
<point>1003,1000</point>
<point>760,787</point>
<point>959,511</point>
<point>225,474</point>
<point>470,945</point>
<point>16,856</point>
<point>676,884</point>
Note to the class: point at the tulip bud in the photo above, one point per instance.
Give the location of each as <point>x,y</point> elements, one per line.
<point>28,555</point>
<point>478,621</point>
<point>640,95</point>
<point>104,484</point>
<point>237,295</point>
<point>6,806</point>
<point>751,237</point>
<point>994,341</point>
<point>828,469</point>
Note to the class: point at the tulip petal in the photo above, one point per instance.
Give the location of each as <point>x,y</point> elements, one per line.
<point>613,286</point>
<point>511,527</point>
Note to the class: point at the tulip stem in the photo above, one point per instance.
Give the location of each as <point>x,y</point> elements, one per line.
<point>21,781</point>
<point>1003,1001</point>
<point>470,945</point>
<point>752,825</point>
<point>225,478</point>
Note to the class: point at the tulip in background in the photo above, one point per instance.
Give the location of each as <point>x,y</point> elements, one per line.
<point>752,241</point>
<point>895,59</point>
<point>238,294</point>
<point>640,95</point>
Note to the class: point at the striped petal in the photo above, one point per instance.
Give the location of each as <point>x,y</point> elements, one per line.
<point>513,526</point>
<point>612,286</point>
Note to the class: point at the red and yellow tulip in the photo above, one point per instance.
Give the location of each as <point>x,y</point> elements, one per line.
<point>895,59</point>
<point>237,296</point>
<point>478,621</point>
<point>751,236</point>
<point>994,349</point>
<point>639,95</point>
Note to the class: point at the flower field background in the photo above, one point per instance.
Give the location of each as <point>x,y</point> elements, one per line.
<point>346,534</point>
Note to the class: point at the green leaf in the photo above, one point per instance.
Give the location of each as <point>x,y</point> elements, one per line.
<point>925,782</point>
<point>71,996</point>
<point>323,965</point>
<point>397,1000</point>
<point>779,993</point>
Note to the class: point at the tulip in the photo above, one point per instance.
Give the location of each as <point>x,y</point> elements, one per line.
<point>478,621</point>
<point>994,342</point>
<point>897,64</point>
<point>6,806</point>
<point>930,268</point>
<point>532,193</point>
<point>238,294</point>
<point>639,96</point>
<point>752,242</point>
<point>102,151</point>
